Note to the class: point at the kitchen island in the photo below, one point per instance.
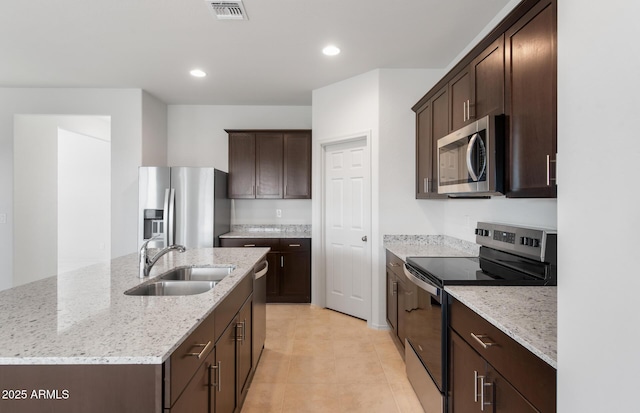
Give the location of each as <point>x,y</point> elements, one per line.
<point>76,342</point>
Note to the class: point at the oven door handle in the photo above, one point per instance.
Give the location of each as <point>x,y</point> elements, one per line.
<point>428,287</point>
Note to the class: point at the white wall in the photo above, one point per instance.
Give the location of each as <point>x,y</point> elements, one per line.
<point>197,137</point>
<point>124,108</point>
<point>598,206</point>
<point>84,198</point>
<point>154,131</point>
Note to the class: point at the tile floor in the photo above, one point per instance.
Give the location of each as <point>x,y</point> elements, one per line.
<point>318,360</point>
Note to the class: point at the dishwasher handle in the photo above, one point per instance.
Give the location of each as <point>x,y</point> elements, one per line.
<point>263,271</point>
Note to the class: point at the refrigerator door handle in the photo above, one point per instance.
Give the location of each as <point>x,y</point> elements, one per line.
<point>172,217</point>
<point>165,219</point>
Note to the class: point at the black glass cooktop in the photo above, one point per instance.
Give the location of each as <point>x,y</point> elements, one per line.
<point>500,269</point>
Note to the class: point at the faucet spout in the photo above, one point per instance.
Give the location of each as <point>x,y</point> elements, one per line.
<point>146,263</point>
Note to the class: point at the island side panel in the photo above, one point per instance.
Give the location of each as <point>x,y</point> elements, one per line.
<point>81,388</point>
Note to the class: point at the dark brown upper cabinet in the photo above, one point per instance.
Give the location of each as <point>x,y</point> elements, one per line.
<point>531,96</point>
<point>242,165</point>
<point>512,71</point>
<point>487,86</point>
<point>432,123</point>
<point>269,164</point>
<point>297,165</point>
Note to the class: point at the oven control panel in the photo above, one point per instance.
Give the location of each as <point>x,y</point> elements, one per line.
<point>535,243</point>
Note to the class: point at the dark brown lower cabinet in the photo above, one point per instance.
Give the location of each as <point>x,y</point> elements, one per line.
<point>223,373</point>
<point>478,387</point>
<point>244,351</point>
<point>397,292</point>
<point>195,397</point>
<point>289,275</point>
<point>490,372</point>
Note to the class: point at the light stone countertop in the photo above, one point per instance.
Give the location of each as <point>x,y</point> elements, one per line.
<point>404,246</point>
<point>84,317</point>
<point>269,231</point>
<point>526,314</point>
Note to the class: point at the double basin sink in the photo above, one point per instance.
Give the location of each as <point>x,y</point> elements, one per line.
<point>184,281</point>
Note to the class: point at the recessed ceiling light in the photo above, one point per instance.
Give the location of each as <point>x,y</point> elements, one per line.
<point>197,73</point>
<point>331,50</point>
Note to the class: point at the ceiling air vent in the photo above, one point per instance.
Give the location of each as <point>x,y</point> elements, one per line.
<point>228,10</point>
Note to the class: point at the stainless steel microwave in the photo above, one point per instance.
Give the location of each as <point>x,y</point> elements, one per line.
<point>471,159</point>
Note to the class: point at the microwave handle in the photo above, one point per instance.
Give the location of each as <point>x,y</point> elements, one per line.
<point>472,142</point>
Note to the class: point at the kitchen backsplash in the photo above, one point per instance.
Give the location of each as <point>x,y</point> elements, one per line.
<point>271,228</point>
<point>458,244</point>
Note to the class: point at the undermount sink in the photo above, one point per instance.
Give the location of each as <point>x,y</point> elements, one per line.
<point>198,273</point>
<point>173,288</point>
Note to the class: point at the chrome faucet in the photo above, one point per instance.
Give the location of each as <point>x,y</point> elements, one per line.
<point>146,262</point>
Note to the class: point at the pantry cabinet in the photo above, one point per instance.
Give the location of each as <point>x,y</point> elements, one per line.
<point>269,164</point>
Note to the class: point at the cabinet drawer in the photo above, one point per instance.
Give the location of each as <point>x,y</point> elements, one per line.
<point>272,243</point>
<point>394,263</point>
<point>533,377</point>
<point>184,361</point>
<point>295,244</point>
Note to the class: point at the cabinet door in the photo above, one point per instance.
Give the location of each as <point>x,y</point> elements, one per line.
<point>407,293</point>
<point>424,153</point>
<point>242,165</point>
<point>244,350</point>
<point>503,397</point>
<point>195,397</point>
<point>392,300</point>
<point>460,100</point>
<point>269,148</point>
<point>224,394</point>
<point>530,55</point>
<point>295,277</point>
<point>487,91</point>
<point>439,129</point>
<point>297,166</point>
<point>273,277</point>
<point>465,369</point>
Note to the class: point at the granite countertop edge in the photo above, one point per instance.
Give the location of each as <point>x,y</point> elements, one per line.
<point>84,317</point>
<point>526,314</point>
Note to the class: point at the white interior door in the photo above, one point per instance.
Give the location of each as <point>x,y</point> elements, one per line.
<point>347,194</point>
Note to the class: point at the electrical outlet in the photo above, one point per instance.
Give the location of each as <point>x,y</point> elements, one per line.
<point>279,213</point>
<point>3,218</point>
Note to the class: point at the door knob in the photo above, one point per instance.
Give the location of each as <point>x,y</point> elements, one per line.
<point>364,238</point>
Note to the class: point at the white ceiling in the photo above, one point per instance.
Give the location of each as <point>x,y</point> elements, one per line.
<point>274,58</point>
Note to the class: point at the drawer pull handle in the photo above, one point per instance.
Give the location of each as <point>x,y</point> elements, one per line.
<point>294,245</point>
<point>204,350</point>
<point>249,245</point>
<point>479,338</point>
<point>395,264</point>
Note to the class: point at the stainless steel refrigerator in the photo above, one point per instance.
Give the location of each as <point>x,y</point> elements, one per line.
<point>182,205</point>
